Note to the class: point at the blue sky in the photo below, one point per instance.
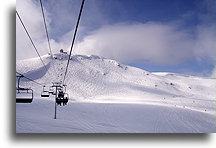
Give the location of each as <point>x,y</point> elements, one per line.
<point>155,35</point>
<point>102,12</point>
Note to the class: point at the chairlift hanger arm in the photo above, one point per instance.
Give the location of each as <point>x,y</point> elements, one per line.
<point>29,79</point>
<point>46,28</point>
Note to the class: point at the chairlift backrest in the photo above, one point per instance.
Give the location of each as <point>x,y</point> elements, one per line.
<point>51,90</point>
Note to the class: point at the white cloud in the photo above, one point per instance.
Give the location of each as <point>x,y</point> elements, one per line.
<point>60,17</point>
<point>151,42</point>
<point>214,73</point>
<point>30,13</point>
<point>205,43</point>
<point>31,16</point>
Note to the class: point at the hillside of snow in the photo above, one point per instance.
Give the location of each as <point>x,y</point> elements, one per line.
<point>107,96</point>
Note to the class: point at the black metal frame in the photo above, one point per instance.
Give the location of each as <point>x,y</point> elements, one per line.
<point>24,91</point>
<point>44,93</point>
<point>20,90</point>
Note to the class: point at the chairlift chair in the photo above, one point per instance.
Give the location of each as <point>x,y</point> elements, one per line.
<point>62,98</point>
<point>66,97</point>
<point>24,95</point>
<point>51,91</point>
<point>44,93</point>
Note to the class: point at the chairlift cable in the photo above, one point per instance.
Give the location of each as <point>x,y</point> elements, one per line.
<point>47,35</point>
<point>73,40</point>
<point>31,40</point>
<point>29,79</point>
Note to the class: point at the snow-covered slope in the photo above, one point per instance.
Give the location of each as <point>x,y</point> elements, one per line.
<point>95,80</point>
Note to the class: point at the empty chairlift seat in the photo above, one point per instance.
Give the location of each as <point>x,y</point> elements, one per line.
<point>45,93</point>
<point>51,91</point>
<point>24,95</point>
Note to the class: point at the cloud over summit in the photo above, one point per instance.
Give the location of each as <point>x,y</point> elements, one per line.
<point>129,37</point>
<point>152,42</point>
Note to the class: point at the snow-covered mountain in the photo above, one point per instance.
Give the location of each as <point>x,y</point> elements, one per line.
<point>105,85</point>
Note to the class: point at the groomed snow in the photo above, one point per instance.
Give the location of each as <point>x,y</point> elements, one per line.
<point>109,97</point>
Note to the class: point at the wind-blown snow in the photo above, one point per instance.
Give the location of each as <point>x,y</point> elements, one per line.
<point>106,96</point>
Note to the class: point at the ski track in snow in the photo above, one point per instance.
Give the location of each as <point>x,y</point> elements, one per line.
<point>109,97</point>
<point>79,117</point>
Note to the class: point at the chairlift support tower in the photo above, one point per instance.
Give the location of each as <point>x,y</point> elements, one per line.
<point>57,86</point>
